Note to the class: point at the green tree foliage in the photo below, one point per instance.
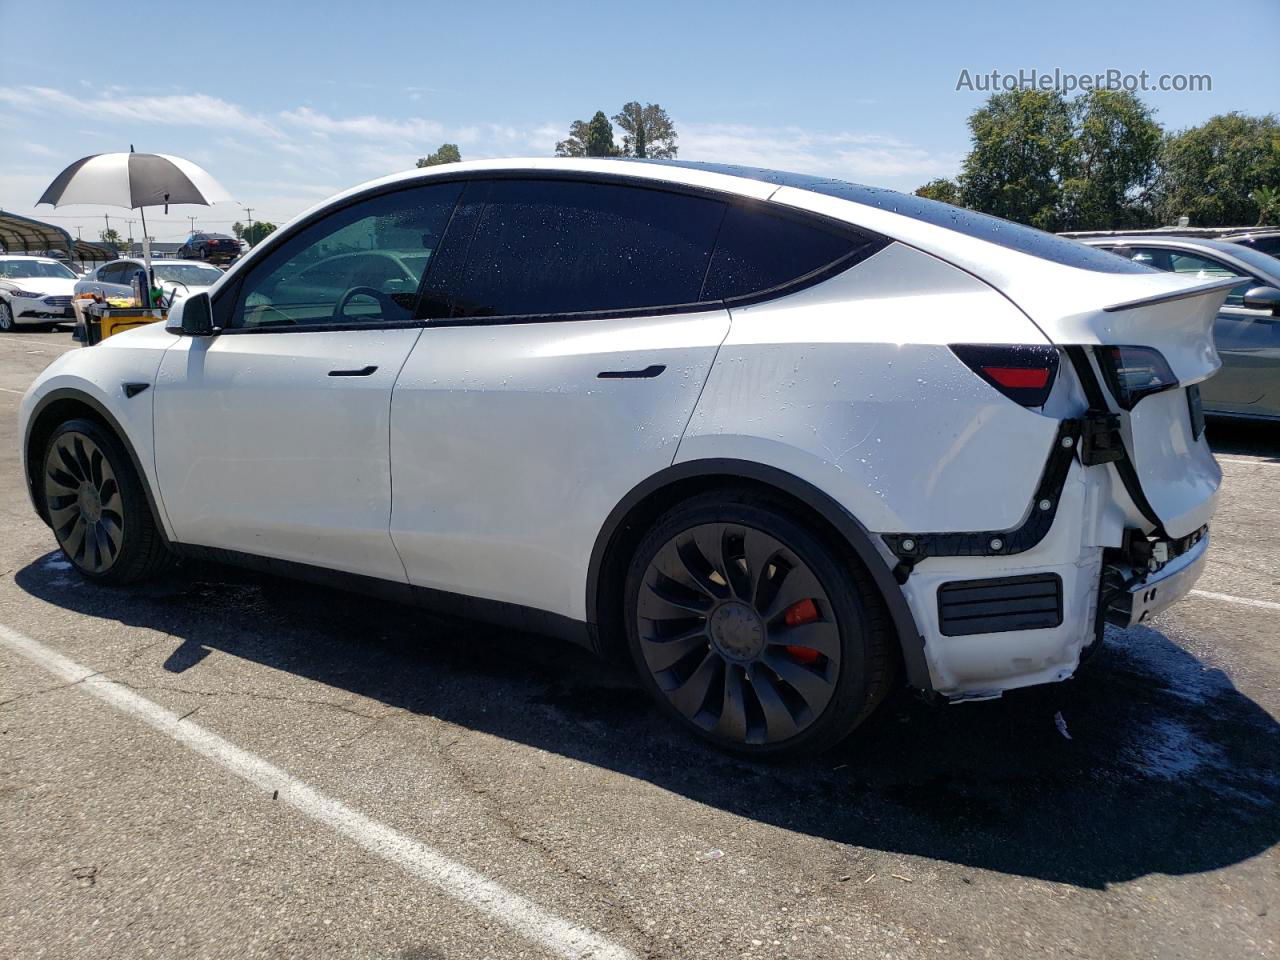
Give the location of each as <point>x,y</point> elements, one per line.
<point>238,229</point>
<point>1021,149</point>
<point>255,233</point>
<point>1268,201</point>
<point>1110,165</point>
<point>111,236</point>
<point>600,137</point>
<point>647,131</point>
<point>592,138</point>
<point>448,153</point>
<point>1213,173</point>
<point>948,191</point>
<point>1101,162</point>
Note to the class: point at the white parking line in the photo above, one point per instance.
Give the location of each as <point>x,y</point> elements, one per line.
<point>8,390</point>
<point>1228,598</point>
<point>458,881</point>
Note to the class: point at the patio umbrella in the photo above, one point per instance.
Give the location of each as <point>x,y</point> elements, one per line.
<point>136,181</point>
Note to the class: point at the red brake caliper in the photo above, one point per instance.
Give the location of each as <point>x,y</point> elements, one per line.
<point>802,611</point>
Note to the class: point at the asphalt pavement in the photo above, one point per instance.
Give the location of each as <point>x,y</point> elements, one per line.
<point>226,765</point>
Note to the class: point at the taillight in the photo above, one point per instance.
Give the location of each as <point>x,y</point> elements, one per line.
<point>1022,372</point>
<point>1135,372</point>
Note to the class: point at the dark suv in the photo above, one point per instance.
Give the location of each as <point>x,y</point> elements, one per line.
<point>213,247</point>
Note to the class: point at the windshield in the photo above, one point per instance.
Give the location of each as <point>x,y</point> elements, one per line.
<point>19,269</point>
<point>191,274</point>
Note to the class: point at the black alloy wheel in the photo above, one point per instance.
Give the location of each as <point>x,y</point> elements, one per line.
<point>97,507</point>
<point>751,631</point>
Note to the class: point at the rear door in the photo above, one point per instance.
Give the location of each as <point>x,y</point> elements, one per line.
<point>563,354</point>
<point>272,437</point>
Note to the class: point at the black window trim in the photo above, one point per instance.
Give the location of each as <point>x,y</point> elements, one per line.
<point>227,297</point>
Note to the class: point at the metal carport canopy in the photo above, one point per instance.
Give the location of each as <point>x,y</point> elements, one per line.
<point>20,234</point>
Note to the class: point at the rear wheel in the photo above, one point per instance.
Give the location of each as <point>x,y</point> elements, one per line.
<point>97,506</point>
<point>752,631</point>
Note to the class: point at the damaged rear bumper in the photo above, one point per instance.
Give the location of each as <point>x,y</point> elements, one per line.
<point>1144,593</point>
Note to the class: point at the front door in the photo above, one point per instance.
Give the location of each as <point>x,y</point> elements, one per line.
<point>272,436</point>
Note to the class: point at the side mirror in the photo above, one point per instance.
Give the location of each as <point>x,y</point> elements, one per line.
<point>1263,298</point>
<point>196,319</point>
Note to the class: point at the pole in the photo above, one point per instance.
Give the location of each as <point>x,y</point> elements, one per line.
<point>193,224</point>
<point>146,246</point>
<point>249,213</point>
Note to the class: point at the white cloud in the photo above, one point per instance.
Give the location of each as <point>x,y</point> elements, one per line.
<point>283,162</point>
<point>878,158</point>
<point>193,110</point>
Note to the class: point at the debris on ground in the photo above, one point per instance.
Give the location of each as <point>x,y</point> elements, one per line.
<point>1061,724</point>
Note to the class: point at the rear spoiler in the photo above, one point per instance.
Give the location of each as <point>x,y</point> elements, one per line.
<point>1223,284</point>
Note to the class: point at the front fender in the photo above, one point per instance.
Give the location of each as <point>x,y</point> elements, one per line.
<point>95,378</point>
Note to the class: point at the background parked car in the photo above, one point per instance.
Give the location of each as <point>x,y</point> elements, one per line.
<point>214,247</point>
<point>34,290</point>
<point>1267,241</point>
<point>179,277</point>
<point>1247,331</point>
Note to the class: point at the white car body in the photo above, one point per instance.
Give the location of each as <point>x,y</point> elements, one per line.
<point>35,299</point>
<point>115,279</point>
<point>487,466</point>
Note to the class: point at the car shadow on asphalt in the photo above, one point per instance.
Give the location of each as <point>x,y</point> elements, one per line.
<point>1168,767</point>
<point>1252,438</point>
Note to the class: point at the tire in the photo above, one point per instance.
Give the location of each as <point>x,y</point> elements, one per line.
<point>7,323</point>
<point>97,506</point>
<point>781,665</point>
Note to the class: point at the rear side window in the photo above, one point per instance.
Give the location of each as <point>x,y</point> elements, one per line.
<point>543,247</point>
<point>759,251</point>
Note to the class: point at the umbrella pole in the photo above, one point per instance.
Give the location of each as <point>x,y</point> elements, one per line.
<point>146,249</point>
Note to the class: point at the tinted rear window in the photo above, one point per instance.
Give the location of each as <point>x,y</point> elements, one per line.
<point>981,226</point>
<point>758,251</point>
<point>552,246</point>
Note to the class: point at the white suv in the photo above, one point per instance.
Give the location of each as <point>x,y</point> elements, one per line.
<point>784,440</point>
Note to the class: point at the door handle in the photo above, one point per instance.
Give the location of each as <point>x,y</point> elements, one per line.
<point>362,372</point>
<point>647,373</point>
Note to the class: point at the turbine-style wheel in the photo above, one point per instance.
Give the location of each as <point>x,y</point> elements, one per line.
<point>749,630</point>
<point>83,498</point>
<point>97,507</point>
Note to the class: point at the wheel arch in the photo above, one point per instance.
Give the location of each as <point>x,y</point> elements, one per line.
<point>63,404</point>
<point>635,513</point>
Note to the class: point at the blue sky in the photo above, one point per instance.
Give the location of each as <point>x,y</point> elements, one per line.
<point>289,102</point>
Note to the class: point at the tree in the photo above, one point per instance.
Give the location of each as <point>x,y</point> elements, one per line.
<point>238,229</point>
<point>1212,173</point>
<point>589,139</point>
<point>112,237</point>
<point>448,153</point>
<point>1111,165</point>
<point>646,131</point>
<point>1021,147</point>
<point>1268,201</point>
<point>255,233</point>
<point>948,191</point>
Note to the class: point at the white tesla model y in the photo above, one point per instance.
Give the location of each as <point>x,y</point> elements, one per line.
<point>784,441</point>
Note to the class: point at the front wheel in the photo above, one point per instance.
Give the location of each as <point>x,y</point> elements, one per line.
<point>97,506</point>
<point>752,631</point>
<point>6,318</point>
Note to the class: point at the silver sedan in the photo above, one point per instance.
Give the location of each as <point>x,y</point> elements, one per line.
<point>1247,331</point>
